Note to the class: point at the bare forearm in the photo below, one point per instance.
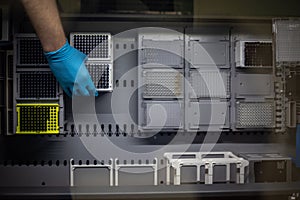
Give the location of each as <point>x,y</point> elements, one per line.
<point>46,22</point>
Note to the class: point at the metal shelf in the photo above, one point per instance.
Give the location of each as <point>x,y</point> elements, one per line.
<point>153,192</point>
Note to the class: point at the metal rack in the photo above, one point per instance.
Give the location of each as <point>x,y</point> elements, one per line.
<point>35,90</point>
<point>74,166</point>
<point>208,160</point>
<point>99,63</point>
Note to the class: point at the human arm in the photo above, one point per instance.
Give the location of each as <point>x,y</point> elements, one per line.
<point>45,19</point>
<point>66,62</point>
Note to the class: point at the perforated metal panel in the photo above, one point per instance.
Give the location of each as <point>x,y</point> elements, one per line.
<point>101,75</point>
<point>30,51</point>
<point>287,38</point>
<point>162,83</point>
<point>255,115</point>
<point>36,85</point>
<point>95,45</point>
<point>210,84</point>
<point>169,53</point>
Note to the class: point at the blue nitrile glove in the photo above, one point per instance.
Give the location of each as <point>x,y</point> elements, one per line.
<point>67,65</point>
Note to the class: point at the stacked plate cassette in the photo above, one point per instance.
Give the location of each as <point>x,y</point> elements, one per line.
<point>38,99</point>
<point>161,81</point>
<point>254,98</point>
<point>208,90</point>
<point>98,48</point>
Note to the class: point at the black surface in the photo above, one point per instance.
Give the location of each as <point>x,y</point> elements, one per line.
<point>233,191</point>
<point>270,171</point>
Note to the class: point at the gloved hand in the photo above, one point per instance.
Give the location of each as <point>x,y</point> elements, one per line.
<point>67,65</point>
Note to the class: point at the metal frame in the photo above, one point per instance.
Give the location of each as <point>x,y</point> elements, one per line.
<point>73,167</point>
<point>118,166</point>
<point>199,160</point>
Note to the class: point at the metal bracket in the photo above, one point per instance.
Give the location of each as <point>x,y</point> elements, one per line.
<point>140,165</point>
<point>108,166</point>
